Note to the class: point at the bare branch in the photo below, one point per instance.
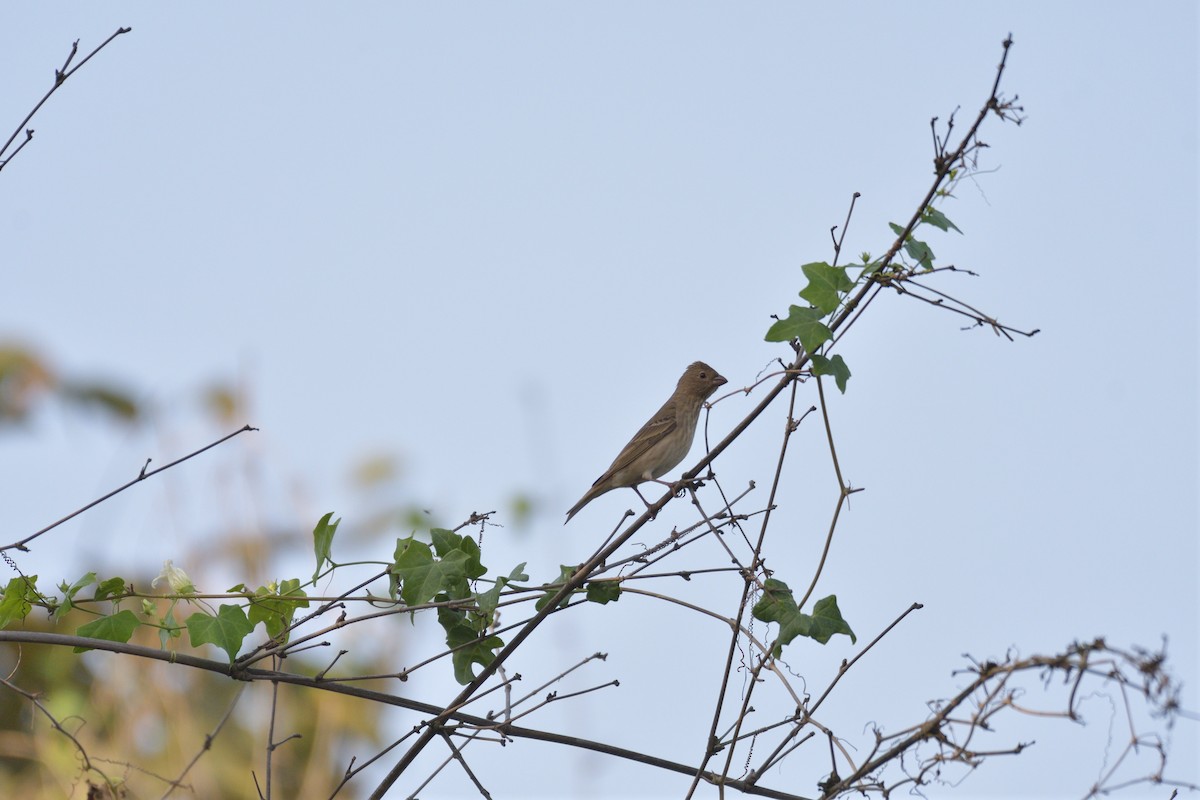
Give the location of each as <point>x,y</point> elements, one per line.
<point>60,77</point>
<point>142,475</point>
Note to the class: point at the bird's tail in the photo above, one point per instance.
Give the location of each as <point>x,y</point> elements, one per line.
<point>591,495</point>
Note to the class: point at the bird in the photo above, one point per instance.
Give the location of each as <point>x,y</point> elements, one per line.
<point>663,441</point>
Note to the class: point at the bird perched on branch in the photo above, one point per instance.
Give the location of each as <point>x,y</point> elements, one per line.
<point>662,442</point>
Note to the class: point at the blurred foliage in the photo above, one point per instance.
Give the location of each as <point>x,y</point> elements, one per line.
<point>375,469</point>
<point>27,380</point>
<point>521,507</point>
<point>23,380</point>
<point>225,403</point>
<point>142,722</point>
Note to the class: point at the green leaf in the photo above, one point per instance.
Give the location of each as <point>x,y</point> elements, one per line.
<point>466,635</point>
<point>604,592</point>
<point>171,629</point>
<point>778,605</point>
<point>18,598</point>
<point>937,219</point>
<point>446,542</point>
<point>827,620</point>
<point>443,541</point>
<point>323,541</point>
<point>870,268</point>
<point>832,366</point>
<point>565,572</point>
<point>803,324</point>
<point>472,649</point>
<point>920,252</point>
<point>69,592</point>
<point>108,588</point>
<point>917,250</point>
<point>413,553</point>
<point>118,627</point>
<point>276,606</point>
<point>87,580</point>
<point>421,577</point>
<point>488,600</point>
<point>826,285</point>
<point>226,630</point>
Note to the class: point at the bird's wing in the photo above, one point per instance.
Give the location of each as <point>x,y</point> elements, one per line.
<point>654,431</point>
<point>658,428</point>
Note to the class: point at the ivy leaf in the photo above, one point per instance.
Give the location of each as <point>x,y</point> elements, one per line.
<point>470,648</point>
<point>323,541</point>
<point>276,606</point>
<point>917,250</point>
<point>117,627</point>
<point>604,592</point>
<point>826,285</point>
<point>87,580</point>
<point>18,599</point>
<point>778,605</point>
<point>564,574</point>
<point>171,629</point>
<point>421,577</point>
<point>446,542</point>
<point>870,268</point>
<point>827,620</point>
<point>803,324</point>
<point>414,554</point>
<point>226,630</point>
<point>937,219</point>
<point>69,592</point>
<point>832,366</point>
<point>920,252</point>
<point>108,588</point>
<point>491,598</point>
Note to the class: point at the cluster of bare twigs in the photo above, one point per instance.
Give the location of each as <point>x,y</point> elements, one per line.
<point>949,736</point>
<point>734,756</point>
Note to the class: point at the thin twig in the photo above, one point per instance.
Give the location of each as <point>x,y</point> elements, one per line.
<point>142,475</point>
<point>60,76</point>
<point>208,741</point>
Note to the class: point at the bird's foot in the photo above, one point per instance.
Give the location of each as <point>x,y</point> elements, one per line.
<point>679,488</point>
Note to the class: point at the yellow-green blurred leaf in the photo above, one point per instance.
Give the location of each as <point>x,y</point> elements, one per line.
<point>106,397</point>
<point>23,376</point>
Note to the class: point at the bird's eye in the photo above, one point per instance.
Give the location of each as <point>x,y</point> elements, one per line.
<point>704,375</point>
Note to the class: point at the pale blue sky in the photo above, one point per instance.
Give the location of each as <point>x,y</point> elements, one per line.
<point>487,239</point>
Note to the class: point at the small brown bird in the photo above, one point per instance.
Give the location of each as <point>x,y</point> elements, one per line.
<point>662,442</point>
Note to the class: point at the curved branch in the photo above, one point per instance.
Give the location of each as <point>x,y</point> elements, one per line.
<point>438,713</point>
